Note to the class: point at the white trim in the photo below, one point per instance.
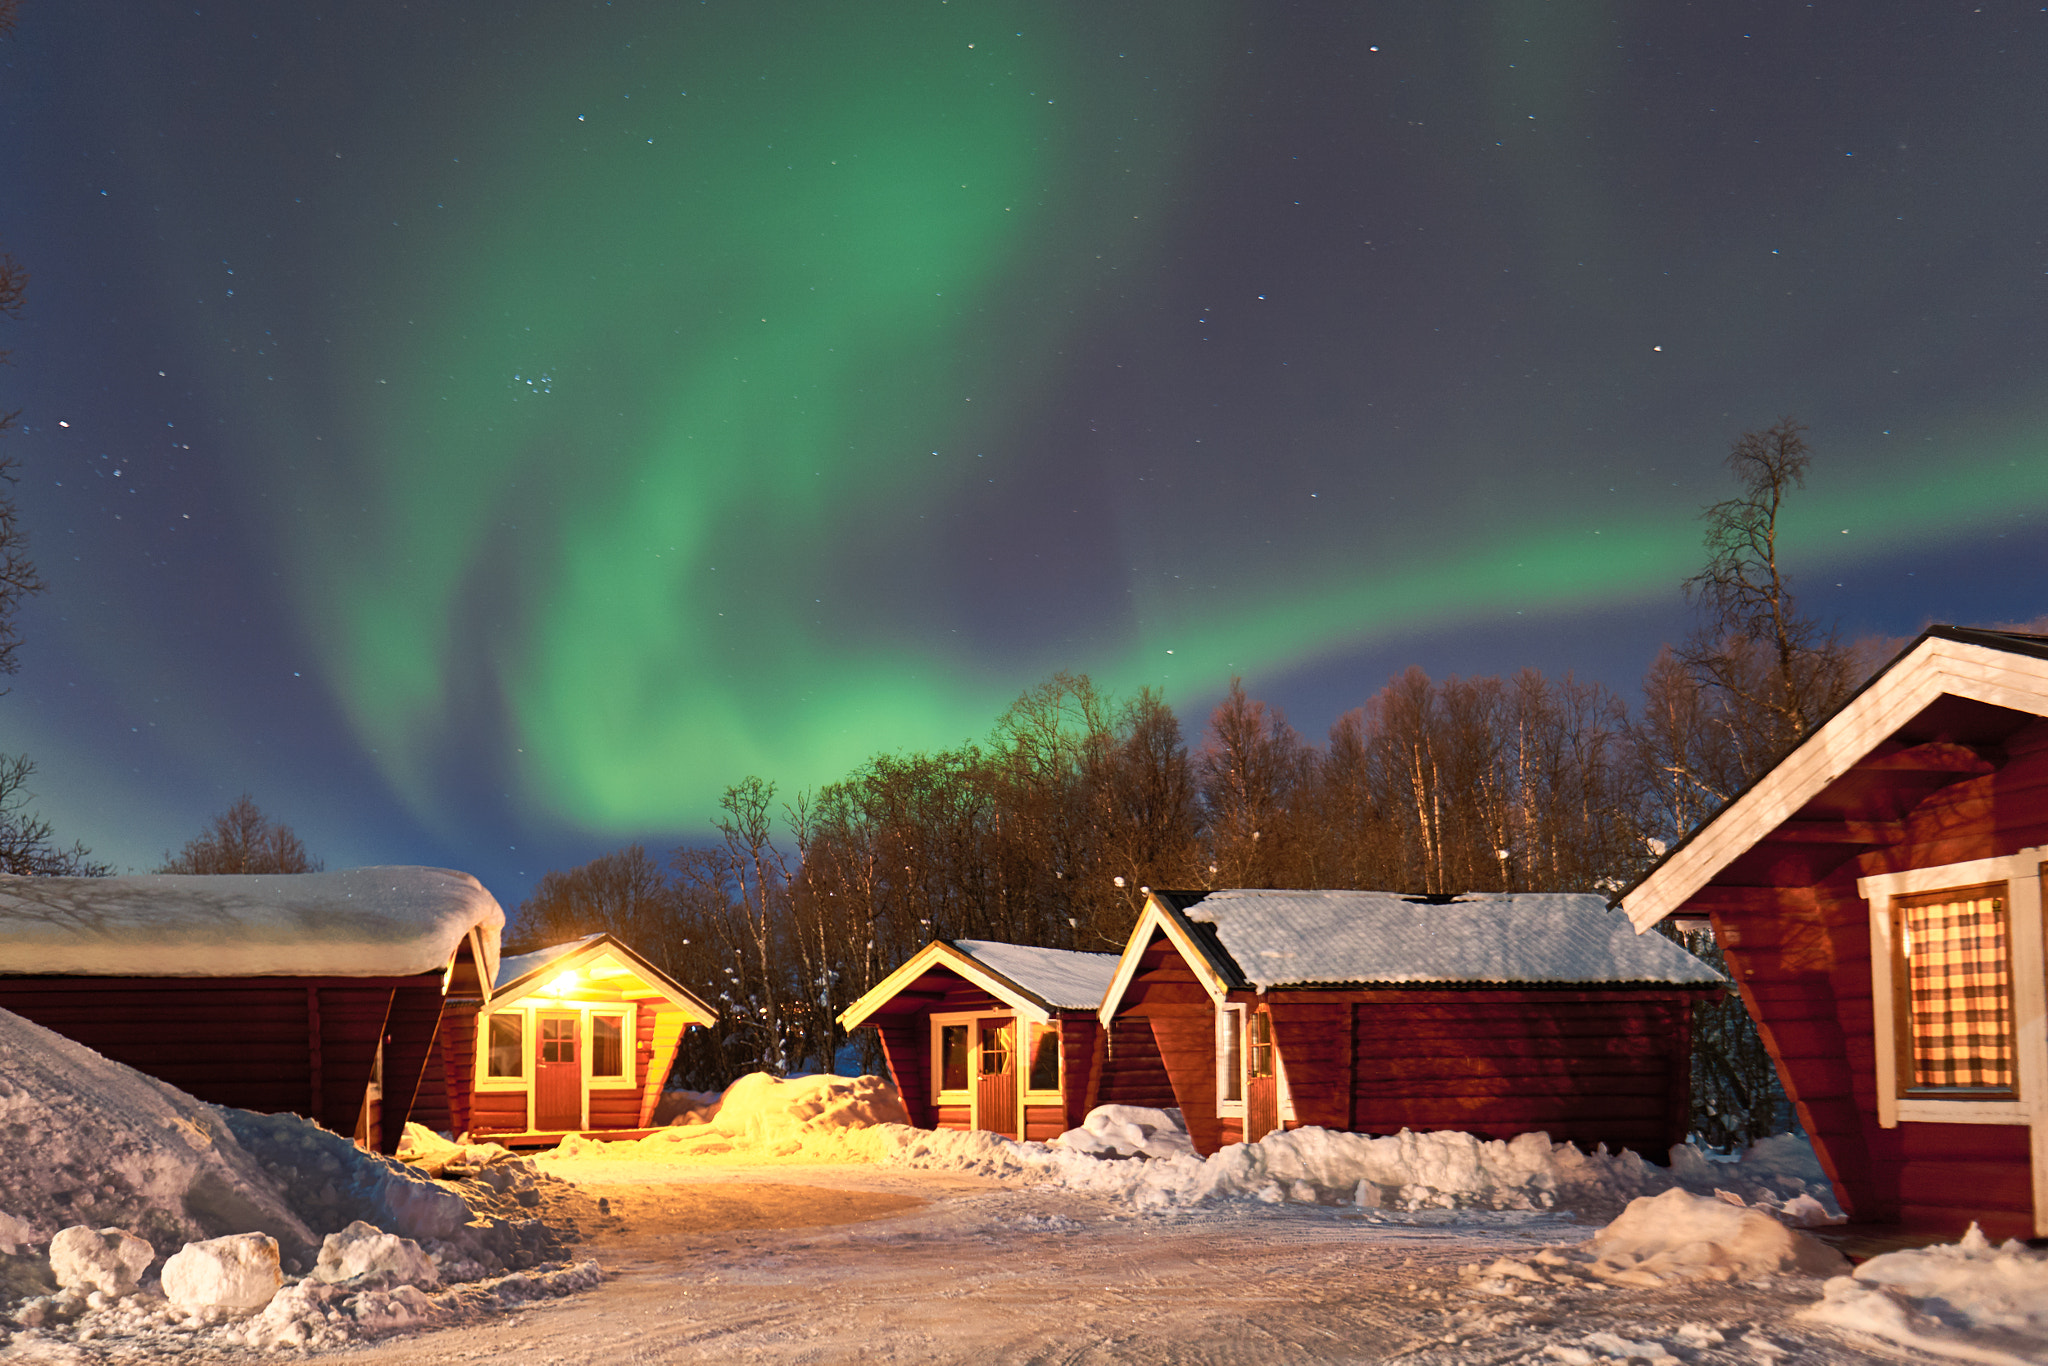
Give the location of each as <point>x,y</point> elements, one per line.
<point>1231,1018</point>
<point>1034,1096</point>
<point>955,1017</point>
<point>1934,668</point>
<point>1155,918</point>
<point>940,954</point>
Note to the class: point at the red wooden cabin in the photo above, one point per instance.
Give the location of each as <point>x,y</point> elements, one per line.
<point>1878,894</point>
<point>1494,1014</point>
<point>575,1038</point>
<point>315,993</point>
<point>985,1035</point>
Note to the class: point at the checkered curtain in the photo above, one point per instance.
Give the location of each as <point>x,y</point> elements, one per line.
<point>1959,978</point>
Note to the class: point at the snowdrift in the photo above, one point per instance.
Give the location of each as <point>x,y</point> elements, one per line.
<point>140,1213</point>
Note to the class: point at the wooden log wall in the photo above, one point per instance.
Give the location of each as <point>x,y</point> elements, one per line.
<point>1583,1067</point>
<point>1078,1060</point>
<point>303,1045</point>
<point>1165,1023</point>
<point>456,1044</point>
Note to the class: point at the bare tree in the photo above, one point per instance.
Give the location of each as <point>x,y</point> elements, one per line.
<point>623,893</point>
<point>26,848</point>
<point>741,886</point>
<point>242,840</point>
<point>1775,671</point>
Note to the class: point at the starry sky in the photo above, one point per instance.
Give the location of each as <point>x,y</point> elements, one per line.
<point>485,432</point>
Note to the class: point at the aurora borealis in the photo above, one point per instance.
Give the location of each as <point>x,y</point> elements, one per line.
<point>484,434</point>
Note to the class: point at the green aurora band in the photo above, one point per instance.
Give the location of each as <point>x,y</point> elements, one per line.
<point>746,328</point>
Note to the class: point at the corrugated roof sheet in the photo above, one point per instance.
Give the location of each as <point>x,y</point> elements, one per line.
<point>1304,938</point>
<point>1066,979</point>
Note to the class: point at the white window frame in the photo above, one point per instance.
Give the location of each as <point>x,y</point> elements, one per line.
<point>528,1009</point>
<point>1029,1029</point>
<point>937,1073</point>
<point>1230,1026</point>
<point>2021,875</point>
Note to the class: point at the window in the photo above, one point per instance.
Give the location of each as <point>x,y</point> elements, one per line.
<point>953,1057</point>
<point>507,1055</point>
<point>1230,1060</point>
<point>607,1045</point>
<point>1259,1050</point>
<point>1956,963</point>
<point>558,1038</point>
<point>1045,1058</point>
<point>995,1048</point>
<point>1952,990</point>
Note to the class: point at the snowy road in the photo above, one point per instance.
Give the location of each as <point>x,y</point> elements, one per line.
<point>821,1264</point>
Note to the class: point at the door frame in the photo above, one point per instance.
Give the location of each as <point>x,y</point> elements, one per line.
<point>576,1019</point>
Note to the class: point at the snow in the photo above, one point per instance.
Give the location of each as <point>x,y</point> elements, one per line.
<point>1065,979</point>
<point>818,1118</point>
<point>364,922</point>
<point>1968,1300</point>
<point>512,969</point>
<point>126,1173</point>
<point>1128,1131</point>
<point>240,1271</point>
<point>1291,938</point>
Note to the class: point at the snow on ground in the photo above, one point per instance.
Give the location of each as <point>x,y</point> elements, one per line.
<point>109,1151</point>
<point>324,1246</point>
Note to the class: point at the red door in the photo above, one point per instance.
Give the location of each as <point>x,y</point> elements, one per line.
<point>995,1085</point>
<point>557,1075</point>
<point>1261,1086</point>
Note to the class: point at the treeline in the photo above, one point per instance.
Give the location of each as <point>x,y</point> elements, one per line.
<point>1049,831</point>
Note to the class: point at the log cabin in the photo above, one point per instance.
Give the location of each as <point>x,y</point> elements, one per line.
<point>1372,1012</point>
<point>985,1035</point>
<point>575,1038</point>
<point>1878,896</point>
<point>314,993</point>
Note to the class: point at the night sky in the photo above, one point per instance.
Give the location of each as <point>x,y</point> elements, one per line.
<point>484,433</point>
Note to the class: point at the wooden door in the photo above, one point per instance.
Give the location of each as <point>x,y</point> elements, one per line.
<point>1261,1086</point>
<point>558,1074</point>
<point>995,1081</point>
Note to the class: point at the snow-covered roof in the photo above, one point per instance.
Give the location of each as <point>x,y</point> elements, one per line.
<point>519,965</point>
<point>1324,938</point>
<point>363,922</point>
<point>1065,979</point>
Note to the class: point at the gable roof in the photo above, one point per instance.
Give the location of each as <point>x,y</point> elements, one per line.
<point>362,922</point>
<point>1063,979</point>
<point>1360,938</point>
<point>529,973</point>
<point>1033,981</point>
<point>1938,714</point>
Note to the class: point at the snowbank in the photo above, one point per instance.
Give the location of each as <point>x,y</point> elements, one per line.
<point>112,1148</point>
<point>1400,1174</point>
<point>127,1176</point>
<point>1967,1300</point>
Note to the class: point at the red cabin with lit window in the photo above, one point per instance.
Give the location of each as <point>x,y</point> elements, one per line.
<point>576,1038</point>
<point>984,1035</point>
<point>1878,895</point>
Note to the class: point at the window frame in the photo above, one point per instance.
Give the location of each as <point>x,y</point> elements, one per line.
<point>1036,1094</point>
<point>624,1076</point>
<point>1230,1042</point>
<point>486,1079</point>
<point>940,1019</point>
<point>1887,894</point>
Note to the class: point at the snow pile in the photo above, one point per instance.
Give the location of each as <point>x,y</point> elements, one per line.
<point>763,1118</point>
<point>112,1148</point>
<point>1128,1131</point>
<point>1401,1174</point>
<point>426,1152</point>
<point>230,1207</point>
<point>1969,1300</point>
